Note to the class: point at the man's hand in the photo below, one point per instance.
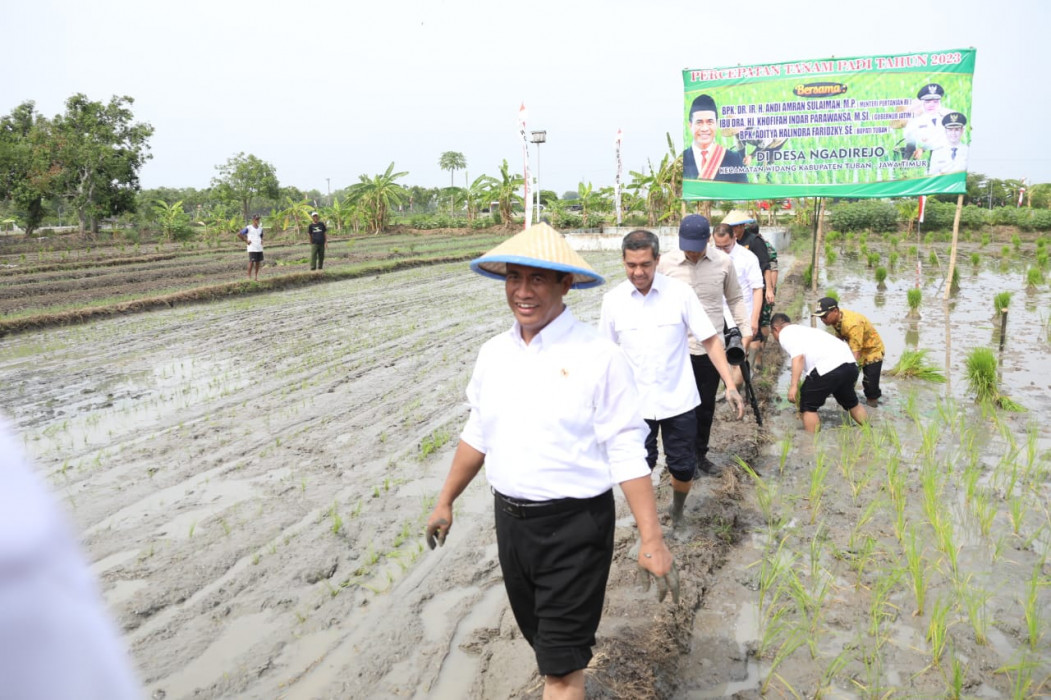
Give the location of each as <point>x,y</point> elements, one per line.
<point>792,394</point>
<point>656,561</point>
<point>733,397</point>
<point>438,525</point>
<point>769,296</point>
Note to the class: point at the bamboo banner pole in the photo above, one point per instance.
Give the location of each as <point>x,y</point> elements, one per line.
<point>820,207</point>
<point>955,241</point>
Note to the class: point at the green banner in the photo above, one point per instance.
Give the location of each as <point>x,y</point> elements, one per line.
<point>871,126</point>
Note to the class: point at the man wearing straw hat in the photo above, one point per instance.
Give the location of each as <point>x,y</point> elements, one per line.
<point>554,418</point>
<point>652,317</point>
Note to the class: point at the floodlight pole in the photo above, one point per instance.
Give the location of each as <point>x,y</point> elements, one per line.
<point>620,137</point>
<point>538,137</point>
<point>526,201</point>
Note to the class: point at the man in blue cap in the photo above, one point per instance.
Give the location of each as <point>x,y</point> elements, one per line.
<point>555,421</point>
<point>711,275</point>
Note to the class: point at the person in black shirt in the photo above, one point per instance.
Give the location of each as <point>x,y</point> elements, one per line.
<point>317,231</point>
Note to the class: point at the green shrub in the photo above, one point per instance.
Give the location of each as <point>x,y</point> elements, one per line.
<point>871,215</point>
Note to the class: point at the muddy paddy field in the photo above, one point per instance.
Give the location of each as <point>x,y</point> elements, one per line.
<point>251,477</point>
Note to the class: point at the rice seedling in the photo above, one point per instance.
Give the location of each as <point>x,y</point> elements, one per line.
<point>914,296</point>
<point>817,484</point>
<point>1016,508</point>
<point>892,260</point>
<point>976,259</point>
<point>1034,277</point>
<point>916,565</point>
<point>872,259</point>
<point>913,365</point>
<point>1016,241</point>
<point>938,629</point>
<point>832,293</point>
<point>880,608</point>
<point>830,255</point>
<point>1021,675</point>
<point>831,671</point>
<point>946,538</point>
<point>986,238</point>
<point>984,509</point>
<point>811,603</point>
<point>881,276</point>
<point>913,251</point>
<point>1042,260</point>
<point>974,602</point>
<point>956,680</point>
<point>796,639</point>
<point>337,521</point>
<point>1005,252</point>
<point>1031,606</point>
<point>933,259</point>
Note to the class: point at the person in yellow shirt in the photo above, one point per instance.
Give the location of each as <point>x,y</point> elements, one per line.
<point>864,342</point>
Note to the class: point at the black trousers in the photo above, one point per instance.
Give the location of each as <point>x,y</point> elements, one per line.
<point>707,379</point>
<point>680,440</point>
<point>555,560</point>
<point>870,379</point>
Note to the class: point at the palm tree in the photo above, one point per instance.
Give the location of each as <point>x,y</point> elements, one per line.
<point>376,195</point>
<point>452,161</point>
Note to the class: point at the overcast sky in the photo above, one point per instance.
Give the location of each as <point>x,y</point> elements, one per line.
<point>326,89</point>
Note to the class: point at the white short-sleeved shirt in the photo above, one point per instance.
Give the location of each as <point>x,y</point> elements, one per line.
<point>557,418</point>
<point>255,238</point>
<point>821,350</point>
<point>749,276</point>
<point>948,159</point>
<point>654,331</point>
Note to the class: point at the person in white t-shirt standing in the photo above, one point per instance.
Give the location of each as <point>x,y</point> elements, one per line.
<point>828,365</point>
<point>253,236</point>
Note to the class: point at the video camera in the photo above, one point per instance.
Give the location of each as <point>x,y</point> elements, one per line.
<point>734,346</point>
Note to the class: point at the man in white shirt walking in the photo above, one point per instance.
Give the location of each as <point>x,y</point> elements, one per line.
<point>651,316</point>
<point>828,365</point>
<point>555,421</point>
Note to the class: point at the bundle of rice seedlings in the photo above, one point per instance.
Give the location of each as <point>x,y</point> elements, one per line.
<point>832,293</point>
<point>881,275</point>
<point>913,365</point>
<point>1034,277</point>
<point>914,297</point>
<point>1001,301</point>
<point>982,381</point>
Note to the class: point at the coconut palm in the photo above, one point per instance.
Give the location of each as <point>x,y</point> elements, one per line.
<point>376,195</point>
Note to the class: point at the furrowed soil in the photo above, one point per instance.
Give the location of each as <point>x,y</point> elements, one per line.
<point>251,479</point>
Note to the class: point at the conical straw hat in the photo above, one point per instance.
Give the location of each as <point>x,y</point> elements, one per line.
<point>738,217</point>
<point>538,246</point>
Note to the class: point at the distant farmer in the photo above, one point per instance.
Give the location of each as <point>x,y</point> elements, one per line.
<point>252,234</point>
<point>828,366</point>
<point>864,342</point>
<point>317,231</point>
<point>705,159</point>
<point>554,418</point>
<point>651,317</point>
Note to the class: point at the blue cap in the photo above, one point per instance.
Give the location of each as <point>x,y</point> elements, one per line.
<point>694,233</point>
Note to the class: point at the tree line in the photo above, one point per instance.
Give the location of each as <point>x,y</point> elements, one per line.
<point>84,164</point>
